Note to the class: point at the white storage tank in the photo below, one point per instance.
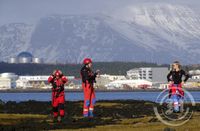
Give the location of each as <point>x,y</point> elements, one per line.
<point>37,60</point>
<point>25,57</point>
<point>25,60</point>
<point>13,60</point>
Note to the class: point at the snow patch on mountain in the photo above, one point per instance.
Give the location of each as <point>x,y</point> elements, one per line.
<point>144,32</point>
<point>14,38</point>
<point>149,23</point>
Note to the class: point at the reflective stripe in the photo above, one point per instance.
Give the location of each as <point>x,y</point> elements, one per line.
<point>87,103</point>
<point>175,103</point>
<point>91,109</point>
<point>85,109</point>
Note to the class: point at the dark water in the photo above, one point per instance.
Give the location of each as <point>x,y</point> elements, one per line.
<point>76,96</point>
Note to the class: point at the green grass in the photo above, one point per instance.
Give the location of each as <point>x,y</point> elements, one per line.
<point>44,122</point>
<point>110,116</point>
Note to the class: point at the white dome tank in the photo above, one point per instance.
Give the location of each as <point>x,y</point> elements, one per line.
<point>13,60</point>
<point>37,60</point>
<point>25,57</point>
<point>25,60</point>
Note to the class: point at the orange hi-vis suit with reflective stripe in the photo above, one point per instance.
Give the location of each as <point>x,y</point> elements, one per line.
<point>88,79</point>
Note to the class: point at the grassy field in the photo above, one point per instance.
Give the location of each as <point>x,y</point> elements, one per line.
<point>110,116</point>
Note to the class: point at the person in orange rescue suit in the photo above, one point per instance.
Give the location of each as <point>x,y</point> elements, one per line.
<point>88,80</point>
<point>57,80</point>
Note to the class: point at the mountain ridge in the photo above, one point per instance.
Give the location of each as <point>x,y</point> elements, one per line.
<point>116,36</point>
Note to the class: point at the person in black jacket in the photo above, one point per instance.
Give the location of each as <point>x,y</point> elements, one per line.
<point>88,80</point>
<point>176,74</point>
<point>176,93</point>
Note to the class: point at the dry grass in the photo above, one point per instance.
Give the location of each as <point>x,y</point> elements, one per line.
<point>111,116</point>
<point>43,122</point>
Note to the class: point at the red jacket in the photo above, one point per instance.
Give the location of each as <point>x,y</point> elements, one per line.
<point>57,84</point>
<point>176,89</point>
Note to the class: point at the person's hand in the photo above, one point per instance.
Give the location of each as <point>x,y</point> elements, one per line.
<point>57,95</point>
<point>182,83</point>
<point>53,76</point>
<point>54,84</point>
<point>171,82</point>
<point>97,72</point>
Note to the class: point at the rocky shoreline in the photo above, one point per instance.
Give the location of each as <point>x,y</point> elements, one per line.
<point>80,90</point>
<point>35,115</point>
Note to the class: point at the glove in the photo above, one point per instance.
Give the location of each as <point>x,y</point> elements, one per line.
<point>60,89</point>
<point>97,72</point>
<point>57,95</point>
<point>54,85</point>
<point>53,76</point>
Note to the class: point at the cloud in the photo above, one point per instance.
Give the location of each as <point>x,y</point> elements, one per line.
<point>30,11</point>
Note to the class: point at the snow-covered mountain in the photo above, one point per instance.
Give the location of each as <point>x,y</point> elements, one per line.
<point>164,29</point>
<point>14,38</point>
<point>148,32</point>
<point>71,38</point>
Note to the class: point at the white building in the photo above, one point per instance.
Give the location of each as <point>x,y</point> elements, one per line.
<point>32,81</point>
<point>119,84</point>
<point>34,78</point>
<point>195,74</point>
<point>8,80</point>
<point>133,74</point>
<point>11,80</point>
<point>22,84</point>
<point>35,82</point>
<point>5,83</point>
<point>196,77</point>
<point>113,77</point>
<point>154,74</point>
<point>145,73</point>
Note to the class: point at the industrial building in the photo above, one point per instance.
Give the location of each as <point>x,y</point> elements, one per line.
<point>195,74</point>
<point>11,80</point>
<point>8,80</point>
<point>32,82</point>
<point>129,84</point>
<point>113,77</point>
<point>35,81</point>
<point>25,57</point>
<point>106,79</point>
<point>154,74</point>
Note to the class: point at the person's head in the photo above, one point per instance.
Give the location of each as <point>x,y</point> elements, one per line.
<point>57,73</point>
<point>87,62</point>
<point>176,65</point>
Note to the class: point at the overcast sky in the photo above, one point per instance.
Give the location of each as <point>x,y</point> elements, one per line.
<point>30,11</point>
